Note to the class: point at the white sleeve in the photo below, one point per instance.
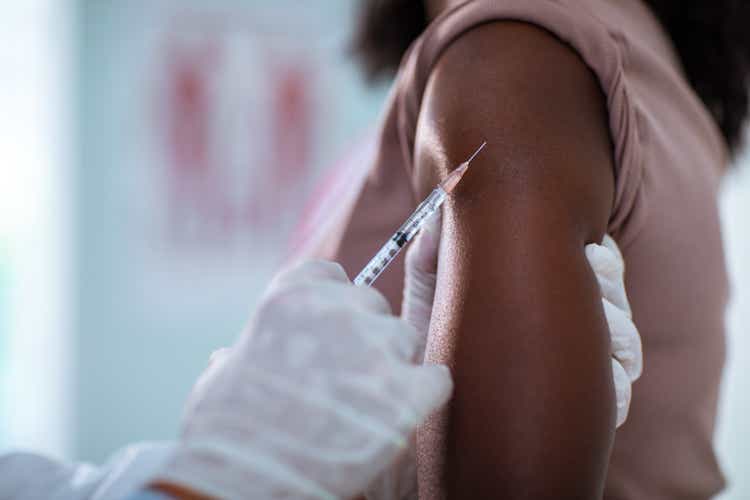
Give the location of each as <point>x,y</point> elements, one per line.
<point>26,476</point>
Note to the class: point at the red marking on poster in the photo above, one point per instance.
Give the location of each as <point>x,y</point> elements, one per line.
<point>190,70</point>
<point>202,174</point>
<point>293,123</point>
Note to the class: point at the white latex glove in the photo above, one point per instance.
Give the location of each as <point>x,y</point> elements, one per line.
<point>314,400</point>
<point>400,480</point>
<point>420,279</point>
<point>627,354</point>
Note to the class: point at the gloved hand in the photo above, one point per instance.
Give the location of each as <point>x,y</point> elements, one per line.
<point>399,480</point>
<point>627,354</point>
<point>313,401</point>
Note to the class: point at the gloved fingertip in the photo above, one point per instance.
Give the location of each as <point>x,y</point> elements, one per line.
<point>633,365</point>
<point>636,371</point>
<point>371,300</point>
<point>310,270</point>
<point>435,386</point>
<point>218,355</point>
<point>603,261</point>
<point>443,370</point>
<point>610,243</point>
<point>625,340</point>
<point>423,253</point>
<point>623,391</point>
<point>622,416</point>
<point>325,269</point>
<point>434,223</point>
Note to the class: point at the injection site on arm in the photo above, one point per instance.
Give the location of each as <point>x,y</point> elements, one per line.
<point>413,224</point>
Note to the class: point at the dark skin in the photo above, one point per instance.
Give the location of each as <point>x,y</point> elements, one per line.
<point>517,313</point>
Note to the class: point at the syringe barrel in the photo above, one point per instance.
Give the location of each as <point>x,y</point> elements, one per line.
<point>404,235</point>
<point>378,263</point>
<point>424,210</point>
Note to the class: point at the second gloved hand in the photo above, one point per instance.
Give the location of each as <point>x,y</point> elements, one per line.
<point>314,400</point>
<point>605,260</point>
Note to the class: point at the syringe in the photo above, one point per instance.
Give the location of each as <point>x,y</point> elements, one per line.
<point>413,224</point>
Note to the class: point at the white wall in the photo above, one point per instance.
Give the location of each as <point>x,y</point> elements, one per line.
<point>734,421</point>
<point>36,54</point>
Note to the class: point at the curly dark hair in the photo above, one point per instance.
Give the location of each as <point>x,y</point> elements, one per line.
<point>712,38</point>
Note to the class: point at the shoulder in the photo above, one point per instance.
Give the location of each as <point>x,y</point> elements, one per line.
<point>536,103</point>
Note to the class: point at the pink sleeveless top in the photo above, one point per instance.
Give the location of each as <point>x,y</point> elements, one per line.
<point>669,159</point>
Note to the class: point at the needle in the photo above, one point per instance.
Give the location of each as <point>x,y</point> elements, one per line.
<point>451,181</point>
<point>477,152</point>
<point>411,227</point>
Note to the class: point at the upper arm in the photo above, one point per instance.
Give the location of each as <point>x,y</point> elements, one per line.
<point>517,310</point>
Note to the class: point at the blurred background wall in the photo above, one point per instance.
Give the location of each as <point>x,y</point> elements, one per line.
<point>160,159</point>
<point>205,128</point>
<point>733,438</point>
<point>36,223</point>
